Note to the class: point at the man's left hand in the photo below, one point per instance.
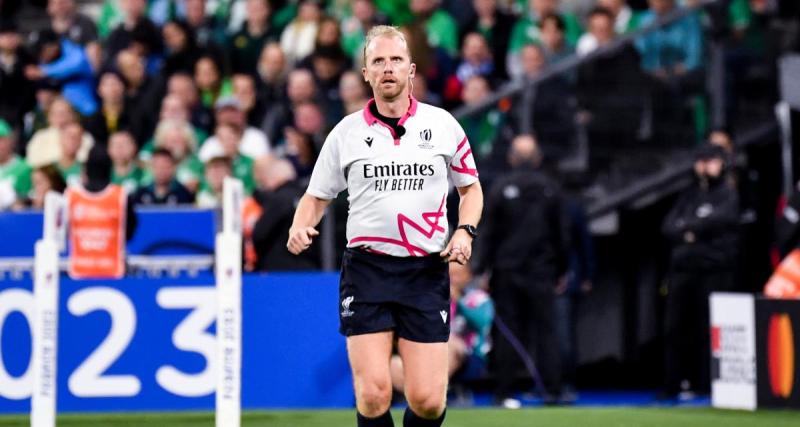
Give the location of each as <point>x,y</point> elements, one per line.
<point>459,249</point>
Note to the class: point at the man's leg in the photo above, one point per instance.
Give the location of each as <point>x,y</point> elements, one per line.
<point>369,356</point>
<point>425,371</point>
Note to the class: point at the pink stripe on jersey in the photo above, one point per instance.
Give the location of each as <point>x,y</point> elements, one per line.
<point>464,168</point>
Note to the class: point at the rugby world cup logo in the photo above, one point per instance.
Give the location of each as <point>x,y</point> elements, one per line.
<point>426,136</point>
<point>780,355</point>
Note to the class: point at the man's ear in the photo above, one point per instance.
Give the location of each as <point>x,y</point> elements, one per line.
<point>413,70</point>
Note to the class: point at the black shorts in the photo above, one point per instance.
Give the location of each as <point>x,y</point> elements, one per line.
<point>408,295</point>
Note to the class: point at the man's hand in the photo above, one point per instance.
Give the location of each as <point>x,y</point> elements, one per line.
<point>300,239</point>
<point>33,72</point>
<point>459,249</point>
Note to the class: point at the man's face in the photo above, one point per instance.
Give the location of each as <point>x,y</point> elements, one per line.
<point>245,91</point>
<point>363,10</point>
<point>60,114</point>
<point>475,90</point>
<point>300,87</point>
<point>9,41</point>
<point>257,10</point>
<point>484,7</point>
<point>183,87</point>
<point>229,140</point>
<point>552,36</point>
<point>163,169</point>
<point>613,5</point>
<point>6,148</point>
<point>661,7</point>
<point>601,28</point>
<point>230,116</point>
<point>309,119</point>
<point>134,9</point>
<point>195,11</point>
<point>131,66</point>
<point>111,88</point>
<point>71,138</point>
<point>388,67</point>
<point>422,6</point>
<point>271,62</point>
<point>475,49</point>
<point>532,60</point>
<point>215,175</point>
<point>121,148</point>
<point>543,7</point>
<point>175,141</point>
<point>172,108</point>
<point>59,8</point>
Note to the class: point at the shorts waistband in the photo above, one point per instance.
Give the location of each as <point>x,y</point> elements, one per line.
<point>364,253</point>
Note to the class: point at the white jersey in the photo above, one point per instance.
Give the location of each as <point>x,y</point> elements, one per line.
<point>397,185</point>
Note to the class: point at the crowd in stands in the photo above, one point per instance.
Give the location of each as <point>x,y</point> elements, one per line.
<point>181,93</point>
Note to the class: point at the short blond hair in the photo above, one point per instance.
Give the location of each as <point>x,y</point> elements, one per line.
<point>384,31</point>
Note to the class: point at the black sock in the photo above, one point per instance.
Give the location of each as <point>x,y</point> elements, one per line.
<point>410,419</point>
<point>384,420</point>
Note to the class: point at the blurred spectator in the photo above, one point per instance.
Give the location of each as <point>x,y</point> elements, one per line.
<point>298,38</point>
<point>254,142</point>
<point>209,31</point>
<point>353,92</point>
<point>229,137</point>
<point>69,165</point>
<point>703,230</point>
<point>527,29</point>
<point>173,109</point>
<point>440,27</point>
<point>165,189</point>
<point>523,287</point>
<point>552,113</point>
<point>36,119</point>
<point>471,313</point>
<point>135,29</point>
<point>113,113</point>
<point>623,19</point>
<point>278,199</point>
<point>481,129</point>
<point>179,138</point>
<point>67,22</point>
<point>182,86</point>
<point>125,168</point>
<point>420,91</point>
<point>16,91</point>
<point>182,51</point>
<point>435,64</point>
<point>300,151</point>
<point>672,51</point>
<point>244,46</point>
<point>141,93</point>
<point>300,88</point>
<point>552,29</point>
<point>611,89</point>
<point>328,64</point>
<point>45,146</point>
<point>476,60</point>
<point>495,26</point>
<point>329,34</point>
<point>355,27</point>
<point>43,179</point>
<point>210,81</point>
<point>308,119</point>
<point>210,193</point>
<point>67,64</point>
<point>15,174</point>
<point>243,88</point>
<point>570,292</point>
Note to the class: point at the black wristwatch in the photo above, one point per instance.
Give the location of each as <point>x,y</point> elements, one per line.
<point>471,230</point>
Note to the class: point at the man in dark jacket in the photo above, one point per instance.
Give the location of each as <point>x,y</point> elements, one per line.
<point>165,188</point>
<point>278,199</point>
<point>703,229</point>
<point>525,245</point>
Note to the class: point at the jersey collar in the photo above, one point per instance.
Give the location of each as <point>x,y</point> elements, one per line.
<point>371,119</point>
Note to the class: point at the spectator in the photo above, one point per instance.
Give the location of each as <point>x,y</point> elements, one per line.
<point>353,92</point>
<point>482,129</point>
<point>210,194</point>
<point>15,174</point>
<point>674,51</point>
<point>419,90</point>
<point>495,26</point>
<point>527,29</point>
<point>308,119</point>
<point>113,114</point>
<point>300,88</point>
<point>173,109</point>
<point>69,165</point>
<point>125,170</point>
<point>611,89</point>
<point>298,38</point>
<point>244,90</point>
<point>208,30</point>
<point>44,147</point>
<point>300,151</point>
<point>552,29</point>
<point>476,59</point>
<point>440,28</point>
<point>181,47</point>
<point>165,189</point>
<point>523,287</point>
<point>16,91</point>
<point>36,119</point>
<point>210,81</point>
<point>43,179</point>
<point>328,64</point>
<point>329,35</point>
<point>230,139</point>
<point>66,63</point>
<point>278,198</point>
<point>254,142</point>
<point>623,19</point>
<point>355,27</point>
<point>135,28</point>
<point>472,313</point>
<point>178,137</point>
<point>245,45</point>
<point>67,22</point>
<point>702,228</point>
<point>182,86</point>
<point>141,93</point>
<point>271,80</point>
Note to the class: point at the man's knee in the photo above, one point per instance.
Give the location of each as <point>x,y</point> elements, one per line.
<point>374,397</point>
<point>428,403</point>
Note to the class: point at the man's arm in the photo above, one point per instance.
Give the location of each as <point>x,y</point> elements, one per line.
<point>459,249</point>
<point>308,214</point>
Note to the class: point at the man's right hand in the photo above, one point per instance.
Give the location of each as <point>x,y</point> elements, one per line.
<point>300,239</point>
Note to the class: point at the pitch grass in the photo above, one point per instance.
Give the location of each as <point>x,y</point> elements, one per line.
<point>551,417</point>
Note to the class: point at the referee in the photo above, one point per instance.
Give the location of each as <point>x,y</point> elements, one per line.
<point>395,157</point>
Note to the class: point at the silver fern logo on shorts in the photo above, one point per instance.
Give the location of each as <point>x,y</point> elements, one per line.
<point>346,312</point>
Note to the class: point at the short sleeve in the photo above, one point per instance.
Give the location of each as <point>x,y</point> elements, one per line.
<point>463,170</point>
<point>327,179</point>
